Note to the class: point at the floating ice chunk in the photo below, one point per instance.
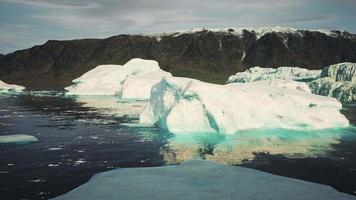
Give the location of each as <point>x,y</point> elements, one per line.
<point>344,91</point>
<point>341,72</point>
<point>17,138</point>
<point>338,81</point>
<point>10,88</point>
<point>132,80</point>
<point>183,105</point>
<point>198,180</point>
<point>284,73</point>
<point>55,149</point>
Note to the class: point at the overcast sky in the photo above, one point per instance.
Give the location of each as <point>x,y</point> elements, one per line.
<point>25,23</point>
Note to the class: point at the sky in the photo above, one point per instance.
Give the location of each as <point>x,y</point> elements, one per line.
<point>25,23</point>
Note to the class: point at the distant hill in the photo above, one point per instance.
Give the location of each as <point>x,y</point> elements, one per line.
<point>210,55</point>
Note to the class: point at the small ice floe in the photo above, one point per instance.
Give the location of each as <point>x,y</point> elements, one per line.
<point>54,165</point>
<point>41,180</point>
<point>17,139</point>
<point>10,164</point>
<point>80,161</point>
<point>81,151</point>
<point>4,124</point>
<point>55,149</point>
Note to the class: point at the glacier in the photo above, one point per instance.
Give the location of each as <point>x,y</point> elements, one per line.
<point>17,139</point>
<point>10,88</point>
<point>198,180</point>
<point>184,105</point>
<point>132,80</point>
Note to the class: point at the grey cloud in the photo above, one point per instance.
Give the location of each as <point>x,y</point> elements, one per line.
<point>59,3</point>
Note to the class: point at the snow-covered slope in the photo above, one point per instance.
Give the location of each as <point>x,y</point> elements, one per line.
<point>198,180</point>
<point>259,31</point>
<point>284,73</point>
<point>10,88</point>
<point>183,105</point>
<point>337,81</point>
<point>132,80</point>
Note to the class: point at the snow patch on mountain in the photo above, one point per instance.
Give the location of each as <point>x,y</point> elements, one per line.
<point>259,31</point>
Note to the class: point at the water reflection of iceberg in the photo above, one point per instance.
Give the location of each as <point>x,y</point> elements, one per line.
<point>111,106</point>
<point>234,149</point>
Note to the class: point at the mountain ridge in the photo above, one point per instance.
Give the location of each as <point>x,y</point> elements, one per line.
<point>208,55</point>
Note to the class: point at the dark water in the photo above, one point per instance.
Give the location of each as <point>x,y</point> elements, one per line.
<point>77,141</point>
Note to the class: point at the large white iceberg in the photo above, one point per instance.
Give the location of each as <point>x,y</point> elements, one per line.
<point>130,81</point>
<point>337,81</point>
<point>198,180</point>
<point>284,73</point>
<point>10,88</point>
<point>183,105</point>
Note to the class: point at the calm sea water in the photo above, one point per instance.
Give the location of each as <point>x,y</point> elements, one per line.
<point>81,137</point>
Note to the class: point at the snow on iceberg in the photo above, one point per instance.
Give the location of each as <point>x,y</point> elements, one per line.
<point>286,84</point>
<point>10,88</point>
<point>17,138</point>
<point>132,80</point>
<point>337,81</point>
<point>284,73</point>
<point>183,105</point>
<point>198,180</point>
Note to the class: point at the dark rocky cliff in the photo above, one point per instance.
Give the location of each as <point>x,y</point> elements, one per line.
<point>205,55</point>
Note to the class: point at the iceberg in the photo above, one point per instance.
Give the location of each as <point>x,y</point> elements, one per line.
<point>338,81</point>
<point>198,180</point>
<point>284,73</point>
<point>10,88</point>
<point>340,72</point>
<point>183,105</point>
<point>132,80</point>
<point>17,138</point>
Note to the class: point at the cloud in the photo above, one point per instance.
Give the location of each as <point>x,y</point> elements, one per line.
<point>313,19</point>
<point>55,4</point>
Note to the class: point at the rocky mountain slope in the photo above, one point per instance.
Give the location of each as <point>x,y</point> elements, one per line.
<point>207,54</point>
